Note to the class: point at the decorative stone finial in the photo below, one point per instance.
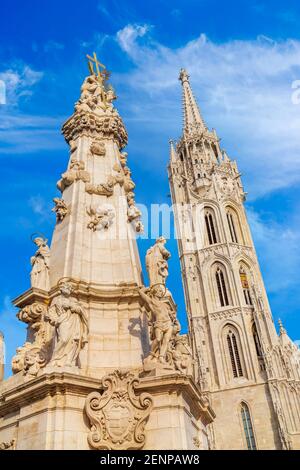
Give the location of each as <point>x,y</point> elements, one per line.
<point>281,327</point>
<point>183,76</point>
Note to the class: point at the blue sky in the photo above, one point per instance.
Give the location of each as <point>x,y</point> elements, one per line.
<point>242,57</point>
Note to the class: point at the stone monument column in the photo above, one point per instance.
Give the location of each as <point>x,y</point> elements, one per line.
<point>103,365</point>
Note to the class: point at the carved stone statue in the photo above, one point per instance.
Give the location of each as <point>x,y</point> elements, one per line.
<point>156,262</point>
<point>139,227</point>
<point>96,96</point>
<point>71,327</point>
<point>60,209</point>
<point>162,320</point>
<point>75,172</point>
<point>100,218</point>
<point>129,185</point>
<point>123,158</point>
<point>40,265</point>
<point>133,213</point>
<point>182,355</point>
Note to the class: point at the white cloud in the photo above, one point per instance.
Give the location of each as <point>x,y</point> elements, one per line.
<point>127,36</point>
<point>40,207</point>
<point>278,246</point>
<point>19,82</point>
<point>21,132</point>
<point>244,89</point>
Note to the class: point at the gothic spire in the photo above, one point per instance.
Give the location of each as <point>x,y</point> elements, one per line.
<point>173,156</point>
<point>192,119</point>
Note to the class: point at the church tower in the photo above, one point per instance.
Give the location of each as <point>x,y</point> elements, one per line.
<point>249,373</point>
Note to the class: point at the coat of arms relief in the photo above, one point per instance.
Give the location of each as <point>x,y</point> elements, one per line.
<point>117,414</point>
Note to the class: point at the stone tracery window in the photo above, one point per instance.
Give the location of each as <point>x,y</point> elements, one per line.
<point>247,426</point>
<point>234,226</point>
<point>245,286</point>
<point>222,287</point>
<point>256,340</point>
<point>234,353</point>
<point>211,227</point>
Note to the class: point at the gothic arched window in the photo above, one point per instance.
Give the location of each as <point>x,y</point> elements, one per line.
<point>234,226</point>
<point>234,352</point>
<point>245,286</point>
<point>247,425</point>
<point>211,229</point>
<point>222,287</point>
<point>256,340</point>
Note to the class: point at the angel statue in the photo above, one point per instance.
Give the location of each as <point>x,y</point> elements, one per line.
<point>40,265</point>
<point>70,327</point>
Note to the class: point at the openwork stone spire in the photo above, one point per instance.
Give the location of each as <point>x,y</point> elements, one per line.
<point>192,119</point>
<point>173,156</point>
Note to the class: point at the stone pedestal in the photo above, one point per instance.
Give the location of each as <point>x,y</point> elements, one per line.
<point>49,412</point>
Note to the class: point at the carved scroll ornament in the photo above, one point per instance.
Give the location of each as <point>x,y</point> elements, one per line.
<point>118,415</point>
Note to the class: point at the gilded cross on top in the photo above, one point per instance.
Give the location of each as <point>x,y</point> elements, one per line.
<point>102,75</point>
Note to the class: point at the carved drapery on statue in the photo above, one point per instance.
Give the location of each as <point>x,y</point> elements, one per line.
<point>70,323</point>
<point>117,414</point>
<point>40,265</point>
<point>156,262</point>
<point>55,335</point>
<point>169,350</point>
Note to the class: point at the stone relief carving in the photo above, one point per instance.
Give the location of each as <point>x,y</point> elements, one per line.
<point>117,414</point>
<point>123,158</point>
<point>156,262</point>
<point>133,213</point>
<point>91,125</point>
<point>76,172</point>
<point>9,445</point>
<point>129,185</point>
<point>100,218</point>
<point>33,354</point>
<point>98,148</point>
<point>60,209</point>
<point>70,323</point>
<point>139,226</point>
<point>104,189</point>
<point>40,265</point>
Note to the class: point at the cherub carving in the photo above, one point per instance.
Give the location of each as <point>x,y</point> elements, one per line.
<point>101,218</point>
